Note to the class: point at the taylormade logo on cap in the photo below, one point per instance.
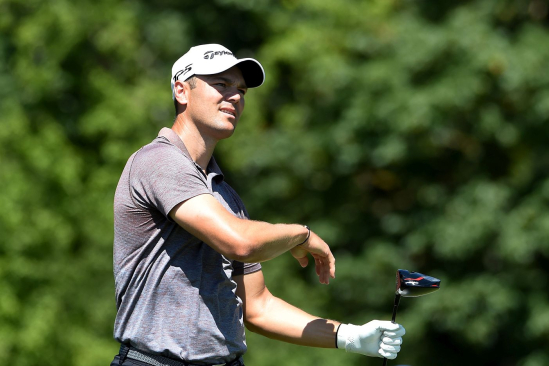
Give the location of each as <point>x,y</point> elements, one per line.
<point>210,54</point>
<point>209,59</point>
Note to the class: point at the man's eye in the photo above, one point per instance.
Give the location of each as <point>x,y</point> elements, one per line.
<point>243,91</point>
<point>220,84</point>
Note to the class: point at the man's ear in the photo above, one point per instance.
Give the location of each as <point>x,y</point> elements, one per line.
<point>181,90</point>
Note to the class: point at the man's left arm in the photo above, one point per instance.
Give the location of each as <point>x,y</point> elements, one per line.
<point>272,317</point>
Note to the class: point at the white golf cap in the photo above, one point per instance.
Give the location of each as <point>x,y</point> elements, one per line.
<point>208,59</point>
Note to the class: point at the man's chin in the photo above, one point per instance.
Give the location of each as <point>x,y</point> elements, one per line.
<point>225,133</point>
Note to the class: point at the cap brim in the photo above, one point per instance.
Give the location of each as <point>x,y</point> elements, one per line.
<point>252,71</point>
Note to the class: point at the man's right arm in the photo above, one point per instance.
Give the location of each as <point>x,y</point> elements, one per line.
<point>251,241</point>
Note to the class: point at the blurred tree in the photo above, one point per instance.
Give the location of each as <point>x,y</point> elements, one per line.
<point>407,134</point>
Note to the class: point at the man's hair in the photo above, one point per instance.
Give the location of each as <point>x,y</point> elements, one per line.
<point>192,83</point>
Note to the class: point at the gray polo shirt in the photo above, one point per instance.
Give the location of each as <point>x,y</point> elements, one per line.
<point>175,295</point>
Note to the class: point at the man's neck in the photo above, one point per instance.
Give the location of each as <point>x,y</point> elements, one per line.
<point>200,148</point>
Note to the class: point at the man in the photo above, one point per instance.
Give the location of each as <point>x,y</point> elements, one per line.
<point>186,256</point>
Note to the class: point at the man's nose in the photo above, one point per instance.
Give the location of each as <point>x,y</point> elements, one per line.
<point>234,96</point>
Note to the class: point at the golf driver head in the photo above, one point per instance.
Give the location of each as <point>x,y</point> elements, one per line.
<point>413,284</point>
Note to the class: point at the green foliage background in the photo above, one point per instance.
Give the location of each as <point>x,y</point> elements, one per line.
<point>408,134</point>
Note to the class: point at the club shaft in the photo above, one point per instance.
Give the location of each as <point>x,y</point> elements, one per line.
<point>395,307</point>
<point>393,319</point>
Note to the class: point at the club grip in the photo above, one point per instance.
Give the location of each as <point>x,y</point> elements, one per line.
<point>393,320</point>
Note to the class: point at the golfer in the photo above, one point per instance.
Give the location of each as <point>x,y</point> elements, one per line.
<point>186,256</point>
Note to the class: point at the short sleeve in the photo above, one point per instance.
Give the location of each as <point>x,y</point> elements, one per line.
<point>240,268</point>
<point>161,176</point>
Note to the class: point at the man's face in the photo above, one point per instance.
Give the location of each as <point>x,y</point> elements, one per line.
<point>216,103</point>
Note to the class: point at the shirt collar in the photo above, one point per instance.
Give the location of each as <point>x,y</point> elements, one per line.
<point>172,137</point>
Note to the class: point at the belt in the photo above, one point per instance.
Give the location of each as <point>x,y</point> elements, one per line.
<point>157,360</point>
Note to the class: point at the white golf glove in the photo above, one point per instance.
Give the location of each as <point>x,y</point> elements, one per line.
<point>376,338</point>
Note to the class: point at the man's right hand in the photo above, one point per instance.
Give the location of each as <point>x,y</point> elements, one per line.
<point>324,259</point>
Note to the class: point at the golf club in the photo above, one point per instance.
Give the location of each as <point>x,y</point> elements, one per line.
<point>412,284</point>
